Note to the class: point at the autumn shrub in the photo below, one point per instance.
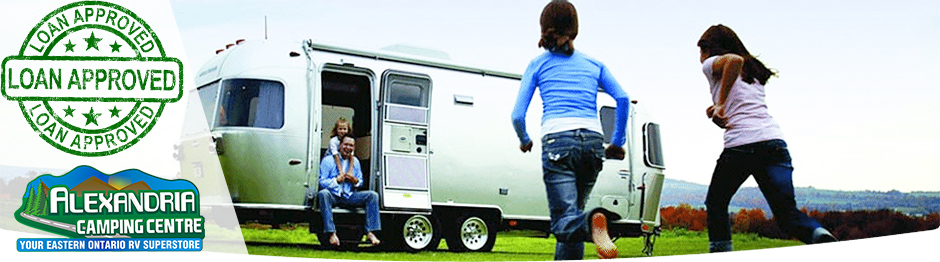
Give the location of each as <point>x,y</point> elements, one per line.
<point>748,221</point>
<point>846,225</point>
<point>683,216</point>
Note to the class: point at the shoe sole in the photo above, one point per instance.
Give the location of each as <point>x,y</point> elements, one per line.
<point>825,239</point>
<point>605,247</point>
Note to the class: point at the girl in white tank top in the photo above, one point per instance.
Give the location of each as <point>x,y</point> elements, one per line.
<point>753,142</point>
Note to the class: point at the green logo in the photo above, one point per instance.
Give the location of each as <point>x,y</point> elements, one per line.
<point>92,78</point>
<point>87,204</point>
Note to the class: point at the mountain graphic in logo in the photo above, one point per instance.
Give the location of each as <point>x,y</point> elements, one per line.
<point>88,203</point>
<point>82,177</point>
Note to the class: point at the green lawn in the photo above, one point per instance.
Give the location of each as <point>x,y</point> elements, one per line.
<point>510,246</point>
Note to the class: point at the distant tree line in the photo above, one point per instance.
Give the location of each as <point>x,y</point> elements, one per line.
<point>916,203</point>
<point>17,184</point>
<point>846,225</point>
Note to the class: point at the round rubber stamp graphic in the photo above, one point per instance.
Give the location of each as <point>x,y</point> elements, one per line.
<point>92,78</point>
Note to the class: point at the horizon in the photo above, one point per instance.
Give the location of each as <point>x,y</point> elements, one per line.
<point>8,176</point>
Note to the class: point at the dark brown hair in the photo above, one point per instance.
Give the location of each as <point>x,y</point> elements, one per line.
<point>350,135</point>
<point>720,39</point>
<point>559,27</point>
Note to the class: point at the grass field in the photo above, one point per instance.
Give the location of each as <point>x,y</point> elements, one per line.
<point>510,246</point>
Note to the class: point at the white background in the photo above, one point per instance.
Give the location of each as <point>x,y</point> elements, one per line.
<point>857,95</point>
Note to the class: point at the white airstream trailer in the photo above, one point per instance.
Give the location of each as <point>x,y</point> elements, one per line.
<point>434,140</point>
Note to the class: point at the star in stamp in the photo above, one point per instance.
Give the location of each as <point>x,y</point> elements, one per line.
<point>92,78</point>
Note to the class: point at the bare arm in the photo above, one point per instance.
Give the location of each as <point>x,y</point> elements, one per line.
<point>339,167</point>
<point>728,66</point>
<point>356,172</point>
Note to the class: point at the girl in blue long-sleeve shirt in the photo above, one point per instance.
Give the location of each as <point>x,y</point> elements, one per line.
<point>568,87</point>
<point>572,140</point>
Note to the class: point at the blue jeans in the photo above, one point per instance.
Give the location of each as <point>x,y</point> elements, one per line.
<point>570,163</point>
<point>368,199</point>
<point>770,163</point>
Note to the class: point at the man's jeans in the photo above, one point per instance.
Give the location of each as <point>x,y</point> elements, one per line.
<point>570,163</point>
<point>770,163</point>
<point>368,199</point>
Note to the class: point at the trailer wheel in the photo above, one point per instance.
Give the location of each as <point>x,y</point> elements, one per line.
<point>474,233</point>
<point>416,233</point>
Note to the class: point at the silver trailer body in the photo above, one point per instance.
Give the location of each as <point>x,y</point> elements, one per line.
<point>434,139</point>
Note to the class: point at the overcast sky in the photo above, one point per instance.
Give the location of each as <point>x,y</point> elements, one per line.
<point>856,94</point>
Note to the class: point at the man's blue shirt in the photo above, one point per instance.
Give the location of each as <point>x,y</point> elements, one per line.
<point>328,174</point>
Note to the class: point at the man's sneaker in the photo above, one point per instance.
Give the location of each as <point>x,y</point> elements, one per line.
<point>821,235</point>
<point>605,247</point>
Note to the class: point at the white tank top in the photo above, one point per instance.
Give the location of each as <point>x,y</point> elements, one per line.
<point>748,120</point>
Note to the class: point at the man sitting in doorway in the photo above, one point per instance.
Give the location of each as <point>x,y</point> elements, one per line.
<point>338,190</point>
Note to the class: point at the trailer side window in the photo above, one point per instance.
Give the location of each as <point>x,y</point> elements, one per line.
<point>407,97</point>
<point>652,147</point>
<point>251,103</point>
<point>608,117</point>
<point>207,95</point>
<point>407,94</point>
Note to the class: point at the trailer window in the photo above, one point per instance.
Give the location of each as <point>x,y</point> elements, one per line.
<point>251,103</point>
<point>652,147</point>
<point>407,97</point>
<point>608,117</point>
<point>207,96</point>
<point>407,94</point>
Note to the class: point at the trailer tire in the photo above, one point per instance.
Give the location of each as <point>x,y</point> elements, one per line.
<point>474,233</point>
<point>416,233</point>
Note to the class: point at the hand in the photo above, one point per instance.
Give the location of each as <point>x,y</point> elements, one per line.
<point>352,179</point>
<point>526,148</point>
<point>720,121</point>
<point>340,178</point>
<point>717,115</point>
<point>710,111</point>
<point>614,152</point>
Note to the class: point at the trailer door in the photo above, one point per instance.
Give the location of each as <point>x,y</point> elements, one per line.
<point>405,115</point>
<point>615,182</point>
